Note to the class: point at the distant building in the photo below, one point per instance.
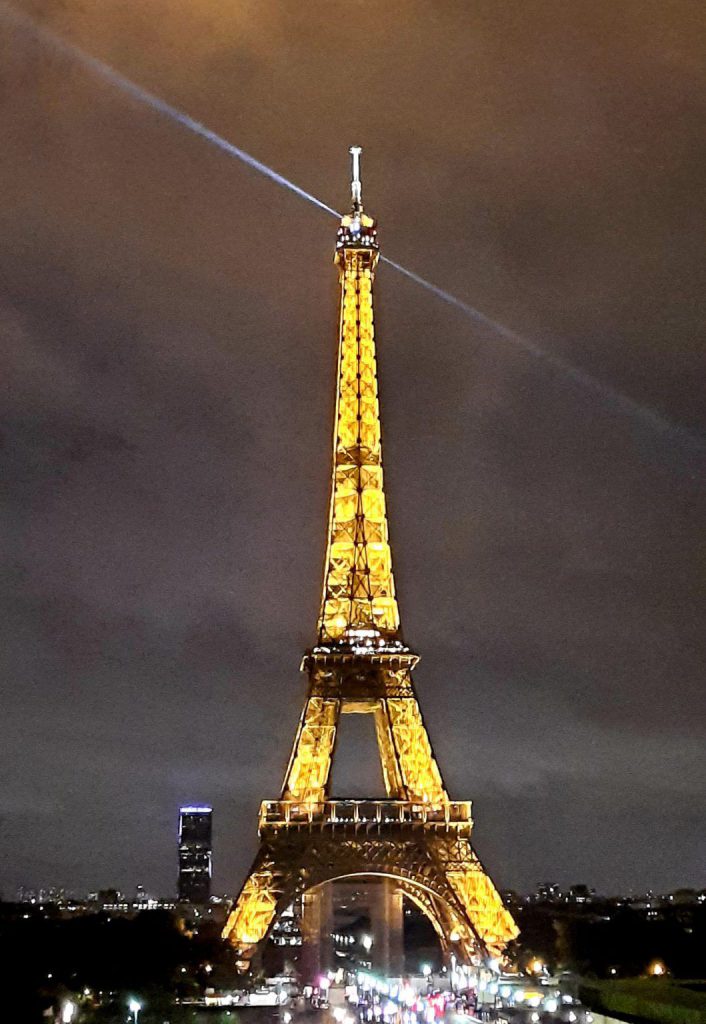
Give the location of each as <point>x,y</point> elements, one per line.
<point>52,894</point>
<point>141,896</point>
<point>287,928</point>
<point>109,897</point>
<point>548,892</point>
<point>195,854</point>
<point>513,899</point>
<point>580,894</point>
<point>684,897</point>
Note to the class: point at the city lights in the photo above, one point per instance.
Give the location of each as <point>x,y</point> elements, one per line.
<point>172,358</point>
<point>657,969</point>
<point>536,966</point>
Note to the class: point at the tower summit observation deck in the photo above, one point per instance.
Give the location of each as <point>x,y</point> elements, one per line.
<point>414,836</point>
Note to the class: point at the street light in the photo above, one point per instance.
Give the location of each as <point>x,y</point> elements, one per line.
<point>367,943</point>
<point>134,1007</point>
<point>67,1012</point>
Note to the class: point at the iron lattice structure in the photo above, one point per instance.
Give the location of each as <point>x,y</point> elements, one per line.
<point>360,664</point>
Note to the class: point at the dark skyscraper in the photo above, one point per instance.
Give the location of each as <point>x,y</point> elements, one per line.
<point>195,854</point>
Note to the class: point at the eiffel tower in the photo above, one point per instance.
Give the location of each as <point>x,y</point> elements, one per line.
<point>417,837</point>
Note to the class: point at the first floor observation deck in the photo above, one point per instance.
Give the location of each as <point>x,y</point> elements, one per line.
<point>376,816</point>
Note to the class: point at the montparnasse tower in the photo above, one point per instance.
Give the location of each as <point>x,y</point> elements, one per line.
<point>415,837</point>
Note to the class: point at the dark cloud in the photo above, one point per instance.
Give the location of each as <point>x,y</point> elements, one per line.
<point>167,320</point>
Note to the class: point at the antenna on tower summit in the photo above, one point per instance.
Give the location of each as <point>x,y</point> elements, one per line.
<point>356,188</point>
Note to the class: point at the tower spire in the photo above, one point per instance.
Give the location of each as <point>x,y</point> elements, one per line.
<point>356,187</point>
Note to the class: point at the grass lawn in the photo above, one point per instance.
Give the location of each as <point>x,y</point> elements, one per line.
<point>650,999</point>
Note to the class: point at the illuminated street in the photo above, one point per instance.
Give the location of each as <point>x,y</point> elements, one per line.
<point>458,998</point>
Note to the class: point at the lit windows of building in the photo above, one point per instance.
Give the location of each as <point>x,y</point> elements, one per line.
<point>195,854</point>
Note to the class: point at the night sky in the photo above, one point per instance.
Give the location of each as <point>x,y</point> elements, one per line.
<point>168,320</point>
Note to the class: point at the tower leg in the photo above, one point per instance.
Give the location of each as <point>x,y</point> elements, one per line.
<point>317,921</point>
<point>387,922</point>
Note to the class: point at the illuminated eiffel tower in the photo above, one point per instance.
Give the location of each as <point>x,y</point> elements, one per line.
<point>416,838</point>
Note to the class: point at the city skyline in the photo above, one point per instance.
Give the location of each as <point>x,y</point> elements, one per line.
<point>167,318</point>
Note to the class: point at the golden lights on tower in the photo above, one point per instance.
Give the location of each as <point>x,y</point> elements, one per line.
<point>359,590</point>
<point>416,834</point>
